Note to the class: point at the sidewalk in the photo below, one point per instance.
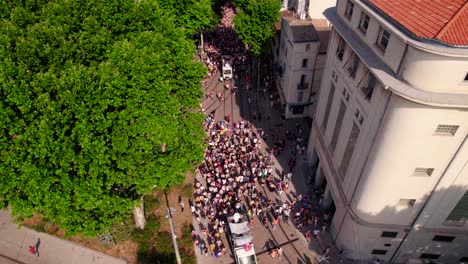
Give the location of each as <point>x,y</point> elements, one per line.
<point>15,242</point>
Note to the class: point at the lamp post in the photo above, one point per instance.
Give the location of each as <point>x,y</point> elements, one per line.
<point>174,237</point>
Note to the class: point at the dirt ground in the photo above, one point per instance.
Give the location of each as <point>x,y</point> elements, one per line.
<point>179,218</point>
<point>128,249</point>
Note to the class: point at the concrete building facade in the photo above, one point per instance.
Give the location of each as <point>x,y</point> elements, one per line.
<point>388,143</point>
<point>297,53</point>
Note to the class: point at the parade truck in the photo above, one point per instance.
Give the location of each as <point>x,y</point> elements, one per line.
<point>226,64</point>
<point>241,240</point>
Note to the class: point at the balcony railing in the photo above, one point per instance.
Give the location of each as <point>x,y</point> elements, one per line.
<point>302,86</point>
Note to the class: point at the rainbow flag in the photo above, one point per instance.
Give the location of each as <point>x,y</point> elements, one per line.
<point>224,131</point>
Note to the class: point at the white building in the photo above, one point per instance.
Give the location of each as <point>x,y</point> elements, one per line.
<point>296,56</point>
<point>299,51</point>
<point>389,139</point>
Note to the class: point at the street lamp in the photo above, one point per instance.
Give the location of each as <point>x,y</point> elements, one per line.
<point>170,210</point>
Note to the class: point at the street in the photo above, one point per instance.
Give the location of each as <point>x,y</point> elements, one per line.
<point>247,104</point>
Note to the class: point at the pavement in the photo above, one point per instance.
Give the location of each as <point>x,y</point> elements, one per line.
<point>242,105</point>
<point>15,242</point>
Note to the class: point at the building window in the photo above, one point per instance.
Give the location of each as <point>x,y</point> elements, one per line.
<point>459,214</point>
<point>382,40</point>
<point>368,90</point>
<point>334,76</point>
<point>364,23</point>
<point>327,107</point>
<point>407,202</point>
<point>379,252</point>
<point>339,122</point>
<point>387,245</point>
<point>443,238</point>
<point>345,94</point>
<point>340,49</point>
<point>359,116</point>
<point>304,63</point>
<point>297,109</point>
<point>429,256</point>
<point>300,96</point>
<point>303,84</point>
<point>361,120</point>
<point>307,47</point>
<point>353,137</point>
<point>353,66</point>
<point>446,130</point>
<point>423,171</point>
<point>389,234</point>
<point>349,9</point>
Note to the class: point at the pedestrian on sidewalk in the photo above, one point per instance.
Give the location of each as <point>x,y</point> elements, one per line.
<point>274,223</point>
<point>307,235</point>
<point>274,253</point>
<point>32,250</point>
<point>36,246</point>
<point>316,232</point>
<point>280,252</point>
<point>182,205</point>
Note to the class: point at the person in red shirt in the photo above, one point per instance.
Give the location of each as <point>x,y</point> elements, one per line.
<point>32,250</point>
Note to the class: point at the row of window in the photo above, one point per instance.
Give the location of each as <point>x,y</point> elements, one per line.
<point>383,37</point>
<point>422,256</point>
<point>368,82</point>
<point>437,238</point>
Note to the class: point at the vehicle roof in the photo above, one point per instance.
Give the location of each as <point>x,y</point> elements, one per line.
<point>239,228</point>
<point>240,252</point>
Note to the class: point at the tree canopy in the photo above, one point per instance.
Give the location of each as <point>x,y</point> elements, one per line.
<point>98,105</point>
<point>254,23</point>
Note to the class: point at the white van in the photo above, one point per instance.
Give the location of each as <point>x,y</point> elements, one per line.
<point>226,67</point>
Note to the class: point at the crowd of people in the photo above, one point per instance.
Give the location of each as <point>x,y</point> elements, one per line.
<point>237,168</point>
<point>234,171</point>
<point>224,41</point>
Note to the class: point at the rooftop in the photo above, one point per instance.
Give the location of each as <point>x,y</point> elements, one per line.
<point>441,20</point>
<point>302,30</point>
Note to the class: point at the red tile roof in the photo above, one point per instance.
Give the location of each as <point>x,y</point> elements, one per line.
<point>443,20</point>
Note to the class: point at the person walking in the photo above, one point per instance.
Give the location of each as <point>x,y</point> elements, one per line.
<point>182,206</point>
<point>274,223</point>
<point>280,252</point>
<point>316,232</point>
<point>36,246</point>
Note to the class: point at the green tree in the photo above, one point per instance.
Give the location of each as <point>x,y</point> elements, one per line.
<point>192,15</point>
<point>90,92</point>
<point>254,23</point>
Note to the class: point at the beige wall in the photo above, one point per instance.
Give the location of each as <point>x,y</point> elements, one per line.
<point>442,73</point>
<point>406,142</point>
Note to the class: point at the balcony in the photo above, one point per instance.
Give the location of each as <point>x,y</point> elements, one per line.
<point>302,86</point>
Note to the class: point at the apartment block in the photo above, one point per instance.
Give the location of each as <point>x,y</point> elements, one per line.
<point>388,144</point>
